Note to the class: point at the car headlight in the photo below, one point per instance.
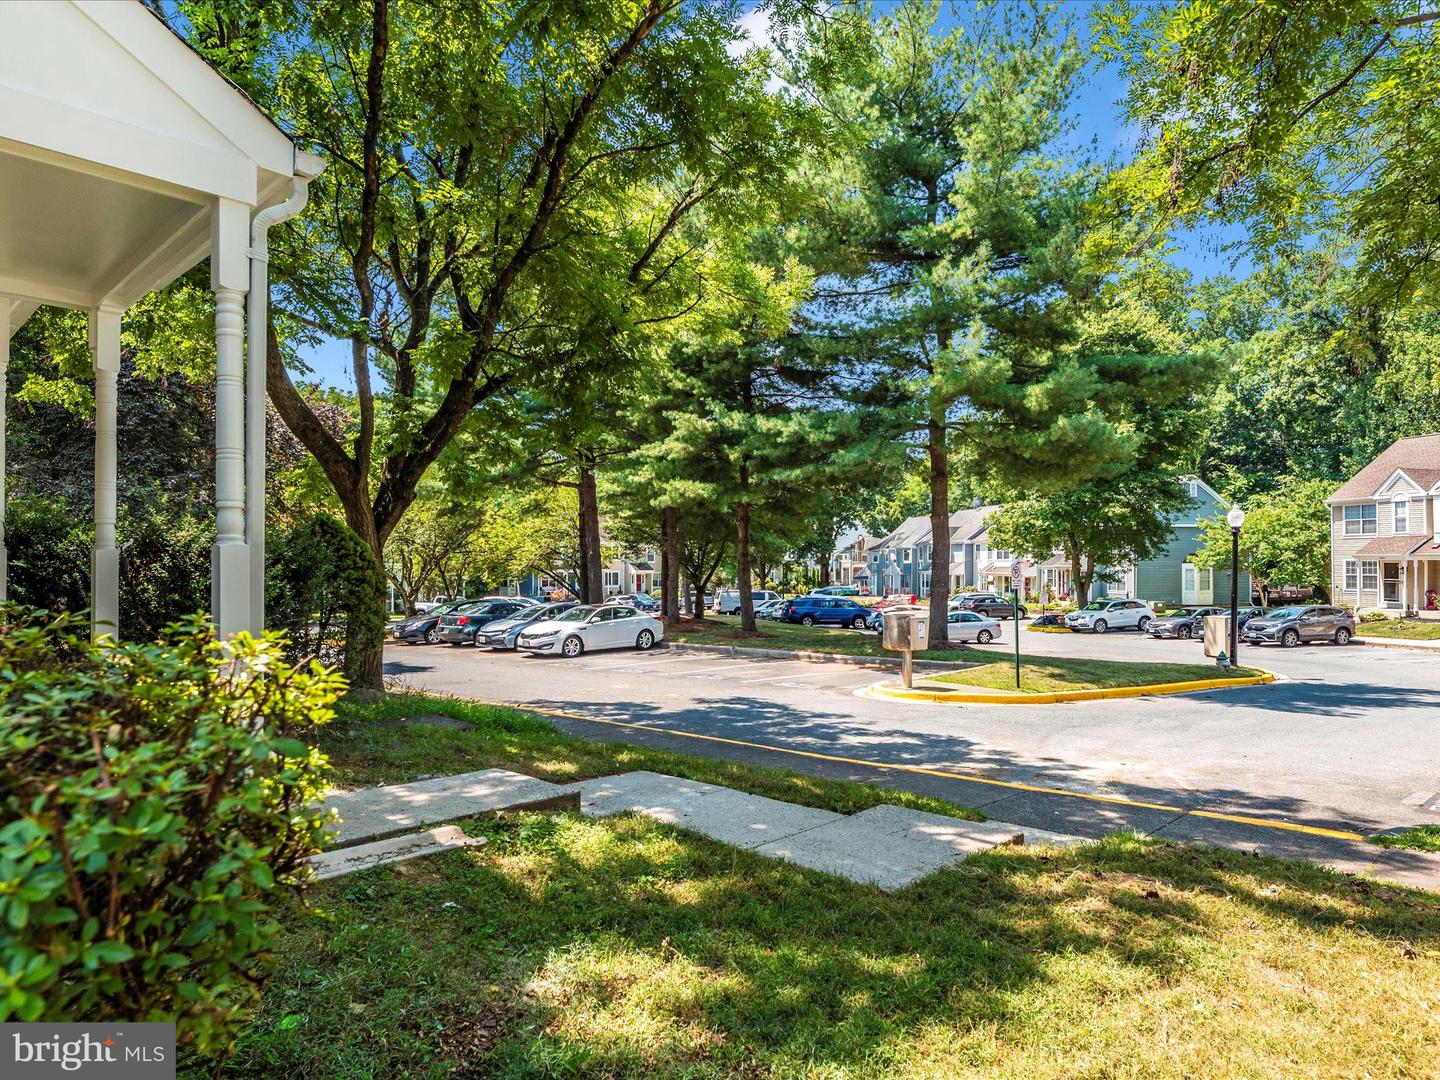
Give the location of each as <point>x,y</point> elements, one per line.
<point>543,635</point>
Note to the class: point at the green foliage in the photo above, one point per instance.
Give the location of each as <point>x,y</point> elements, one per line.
<point>1285,540</point>
<point>157,799</point>
<point>1296,121</point>
<point>50,545</point>
<point>327,594</point>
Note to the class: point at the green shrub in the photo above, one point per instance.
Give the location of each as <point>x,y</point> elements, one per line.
<point>157,799</point>
<point>326,594</point>
<point>1374,617</point>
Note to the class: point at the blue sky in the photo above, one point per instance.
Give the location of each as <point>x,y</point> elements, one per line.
<point>1100,121</point>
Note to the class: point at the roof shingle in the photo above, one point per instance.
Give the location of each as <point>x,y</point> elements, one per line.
<point>1418,456</point>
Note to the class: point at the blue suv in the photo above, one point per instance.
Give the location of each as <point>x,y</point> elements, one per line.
<point>809,610</point>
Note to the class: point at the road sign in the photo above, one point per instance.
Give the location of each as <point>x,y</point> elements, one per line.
<point>1016,575</point>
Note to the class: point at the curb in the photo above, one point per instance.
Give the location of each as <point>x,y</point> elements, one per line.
<point>1423,644</point>
<point>1048,630</point>
<point>883,663</point>
<point>1058,697</point>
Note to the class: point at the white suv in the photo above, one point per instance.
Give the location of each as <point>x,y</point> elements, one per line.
<point>727,601</point>
<point>1111,614</point>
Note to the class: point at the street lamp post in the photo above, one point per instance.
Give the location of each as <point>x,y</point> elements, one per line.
<point>1236,518</point>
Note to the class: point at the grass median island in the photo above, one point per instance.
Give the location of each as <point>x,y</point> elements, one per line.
<point>770,634</point>
<point>367,747</point>
<point>1046,674</point>
<point>1420,838</point>
<point>1407,629</point>
<point>622,948</point>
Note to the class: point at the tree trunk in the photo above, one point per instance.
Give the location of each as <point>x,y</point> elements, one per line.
<point>939,535</point>
<point>670,580</point>
<point>742,562</point>
<point>591,581</point>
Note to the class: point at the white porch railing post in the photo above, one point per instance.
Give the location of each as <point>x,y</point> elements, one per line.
<point>229,278</point>
<point>5,304</point>
<point>105,562</point>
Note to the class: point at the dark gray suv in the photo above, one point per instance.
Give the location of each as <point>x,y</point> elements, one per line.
<point>1290,626</point>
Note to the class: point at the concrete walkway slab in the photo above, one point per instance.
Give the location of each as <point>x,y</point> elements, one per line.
<point>340,861</point>
<point>373,813</point>
<point>721,813</point>
<point>891,846</point>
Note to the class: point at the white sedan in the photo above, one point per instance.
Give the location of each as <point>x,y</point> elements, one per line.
<point>609,626</point>
<point>972,626</point>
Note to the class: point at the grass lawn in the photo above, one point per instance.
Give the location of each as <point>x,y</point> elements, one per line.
<point>365,750</point>
<point>769,634</point>
<point>1045,674</point>
<point>1412,629</point>
<point>1420,838</point>
<point>623,948</point>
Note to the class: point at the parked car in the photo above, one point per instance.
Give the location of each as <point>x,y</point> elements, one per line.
<point>836,610</point>
<point>876,619</point>
<point>897,600</point>
<point>502,633</point>
<point>972,626</point>
<point>459,627</point>
<point>584,628</point>
<point>1047,620</point>
<point>770,609</point>
<point>639,600</point>
<point>1111,613</point>
<point>727,601</point>
<point>992,605</point>
<point>428,607</point>
<point>422,627</point>
<point>1290,626</point>
<point>836,590</point>
<point>1185,622</point>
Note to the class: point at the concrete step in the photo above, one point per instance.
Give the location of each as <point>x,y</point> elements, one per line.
<point>347,860</point>
<point>374,813</point>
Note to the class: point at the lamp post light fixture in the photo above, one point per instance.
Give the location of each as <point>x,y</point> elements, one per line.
<point>1236,518</point>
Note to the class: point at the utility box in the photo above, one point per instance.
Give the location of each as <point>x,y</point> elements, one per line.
<point>1217,635</point>
<point>906,630</point>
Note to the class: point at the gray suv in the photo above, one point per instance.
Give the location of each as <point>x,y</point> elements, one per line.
<point>1289,626</point>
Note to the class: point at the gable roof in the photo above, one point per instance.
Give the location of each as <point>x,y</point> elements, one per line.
<point>970,523</point>
<point>911,531</point>
<point>1417,456</point>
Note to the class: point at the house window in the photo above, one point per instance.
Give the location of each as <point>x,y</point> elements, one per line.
<point>1369,575</point>
<point>904,555</point>
<point>1360,520</point>
<point>612,579</point>
<point>1352,575</point>
<point>1402,515</point>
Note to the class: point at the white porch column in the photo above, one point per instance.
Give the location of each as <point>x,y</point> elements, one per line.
<point>5,304</point>
<point>229,278</point>
<point>105,562</point>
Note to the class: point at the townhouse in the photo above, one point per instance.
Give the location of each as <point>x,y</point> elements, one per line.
<point>1385,531</point>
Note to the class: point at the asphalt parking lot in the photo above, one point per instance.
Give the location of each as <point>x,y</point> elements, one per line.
<point>1345,741</point>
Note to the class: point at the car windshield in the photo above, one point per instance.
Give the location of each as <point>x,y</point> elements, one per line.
<point>1096,605</point>
<point>1180,613</point>
<point>1285,613</point>
<point>577,614</point>
<point>549,611</point>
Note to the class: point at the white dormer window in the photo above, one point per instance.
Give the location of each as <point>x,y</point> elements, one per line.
<point>1402,514</point>
<point>1192,488</point>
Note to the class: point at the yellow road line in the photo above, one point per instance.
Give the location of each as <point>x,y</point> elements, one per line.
<point>947,774</point>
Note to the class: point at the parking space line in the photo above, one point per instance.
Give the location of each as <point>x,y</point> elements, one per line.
<point>710,668</point>
<point>628,663</point>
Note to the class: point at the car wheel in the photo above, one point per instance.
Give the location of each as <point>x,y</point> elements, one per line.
<point>1144,622</point>
<point>572,646</point>
<point>984,637</point>
<point>1185,632</point>
<point>1024,614</point>
<point>432,636</point>
<point>1290,638</point>
<point>1100,626</point>
<point>645,640</point>
<point>1342,636</point>
<point>808,620</point>
<point>857,623</point>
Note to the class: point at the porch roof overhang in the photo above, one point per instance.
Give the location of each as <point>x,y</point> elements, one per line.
<point>1397,545</point>
<point>117,142</point>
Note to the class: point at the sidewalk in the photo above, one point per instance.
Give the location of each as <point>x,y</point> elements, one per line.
<point>886,846</point>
